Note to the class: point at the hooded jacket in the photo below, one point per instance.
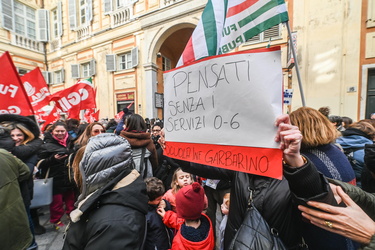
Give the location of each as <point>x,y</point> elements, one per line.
<point>14,227</point>
<point>27,152</point>
<point>112,208</point>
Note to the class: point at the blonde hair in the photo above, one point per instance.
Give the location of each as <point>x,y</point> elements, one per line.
<point>365,127</point>
<point>315,128</point>
<point>77,172</point>
<point>86,135</point>
<point>175,187</point>
<point>29,136</point>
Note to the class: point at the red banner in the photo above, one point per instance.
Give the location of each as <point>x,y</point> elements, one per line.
<point>91,116</point>
<point>14,99</point>
<point>36,88</point>
<point>79,96</point>
<point>53,116</point>
<point>259,161</point>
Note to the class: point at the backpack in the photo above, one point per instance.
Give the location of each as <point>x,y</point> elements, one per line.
<point>349,152</point>
<point>142,162</point>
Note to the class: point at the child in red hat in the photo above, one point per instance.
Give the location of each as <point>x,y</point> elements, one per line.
<point>194,228</point>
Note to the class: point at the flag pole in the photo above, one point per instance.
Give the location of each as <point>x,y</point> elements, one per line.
<point>296,64</point>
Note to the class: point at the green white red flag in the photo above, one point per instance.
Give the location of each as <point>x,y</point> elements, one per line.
<point>225,25</point>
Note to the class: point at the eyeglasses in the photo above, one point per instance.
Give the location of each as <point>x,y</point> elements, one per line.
<point>156,130</point>
<point>97,131</point>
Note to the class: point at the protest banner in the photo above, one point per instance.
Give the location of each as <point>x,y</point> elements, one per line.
<point>36,88</point>
<point>75,98</point>
<point>221,110</point>
<point>14,99</point>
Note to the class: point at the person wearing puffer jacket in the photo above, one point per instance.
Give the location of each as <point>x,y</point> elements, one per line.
<point>112,207</point>
<point>354,139</point>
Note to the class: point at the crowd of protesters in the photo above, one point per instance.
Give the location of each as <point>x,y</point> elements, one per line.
<point>117,190</point>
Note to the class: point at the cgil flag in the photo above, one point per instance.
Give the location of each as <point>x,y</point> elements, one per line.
<point>225,25</point>
<point>78,97</point>
<point>14,99</point>
<point>36,88</point>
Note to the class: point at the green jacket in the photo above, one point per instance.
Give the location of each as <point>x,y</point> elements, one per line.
<point>14,227</point>
<point>363,199</point>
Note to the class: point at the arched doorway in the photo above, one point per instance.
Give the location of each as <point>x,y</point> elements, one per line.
<point>168,55</point>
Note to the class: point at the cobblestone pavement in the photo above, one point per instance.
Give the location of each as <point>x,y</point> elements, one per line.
<point>52,239</point>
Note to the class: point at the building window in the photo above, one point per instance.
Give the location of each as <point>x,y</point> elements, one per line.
<point>125,61</point>
<point>166,64</point>
<point>24,20</point>
<point>58,77</point>
<point>85,70</point>
<point>270,34</point>
<point>55,24</point>
<point>83,11</point>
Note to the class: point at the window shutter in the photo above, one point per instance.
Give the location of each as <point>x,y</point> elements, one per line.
<point>72,14</point>
<point>75,71</point>
<point>254,38</point>
<point>59,18</point>
<point>89,11</point>
<point>134,57</point>
<point>272,32</point>
<point>107,6</point>
<point>92,67</point>
<point>62,75</point>
<point>43,18</point>
<point>7,14</point>
<point>47,76</point>
<point>110,62</point>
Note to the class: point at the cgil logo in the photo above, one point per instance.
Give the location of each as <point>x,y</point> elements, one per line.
<point>11,110</point>
<point>73,99</point>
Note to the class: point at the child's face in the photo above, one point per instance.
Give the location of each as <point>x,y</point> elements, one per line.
<point>183,179</point>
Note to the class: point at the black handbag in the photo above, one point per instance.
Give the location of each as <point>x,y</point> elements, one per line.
<point>255,233</point>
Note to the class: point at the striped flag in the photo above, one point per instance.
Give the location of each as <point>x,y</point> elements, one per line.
<point>225,25</point>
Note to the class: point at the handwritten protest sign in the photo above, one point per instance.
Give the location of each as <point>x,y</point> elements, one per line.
<point>221,111</point>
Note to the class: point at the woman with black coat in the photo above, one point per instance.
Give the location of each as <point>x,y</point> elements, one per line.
<point>54,155</point>
<point>273,198</point>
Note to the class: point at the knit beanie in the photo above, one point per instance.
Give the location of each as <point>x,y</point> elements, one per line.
<point>190,201</point>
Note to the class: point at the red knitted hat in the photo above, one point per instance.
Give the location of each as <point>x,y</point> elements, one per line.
<point>190,201</point>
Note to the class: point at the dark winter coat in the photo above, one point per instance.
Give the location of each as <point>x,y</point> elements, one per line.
<point>62,175</point>
<point>273,198</point>
<point>112,207</point>
<point>27,152</point>
<point>368,173</point>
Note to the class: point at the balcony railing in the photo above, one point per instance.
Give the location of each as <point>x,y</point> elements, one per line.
<point>121,16</point>
<point>27,43</point>
<point>83,32</point>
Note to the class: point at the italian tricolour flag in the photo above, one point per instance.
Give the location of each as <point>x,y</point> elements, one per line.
<point>225,25</point>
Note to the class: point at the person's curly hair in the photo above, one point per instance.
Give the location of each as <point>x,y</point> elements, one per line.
<point>325,111</point>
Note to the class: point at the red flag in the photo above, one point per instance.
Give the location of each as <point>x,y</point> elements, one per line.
<point>119,115</point>
<point>91,116</point>
<point>13,96</point>
<point>36,88</point>
<point>53,116</point>
<point>79,96</point>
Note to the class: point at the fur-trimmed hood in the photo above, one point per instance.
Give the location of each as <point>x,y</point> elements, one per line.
<point>28,122</point>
